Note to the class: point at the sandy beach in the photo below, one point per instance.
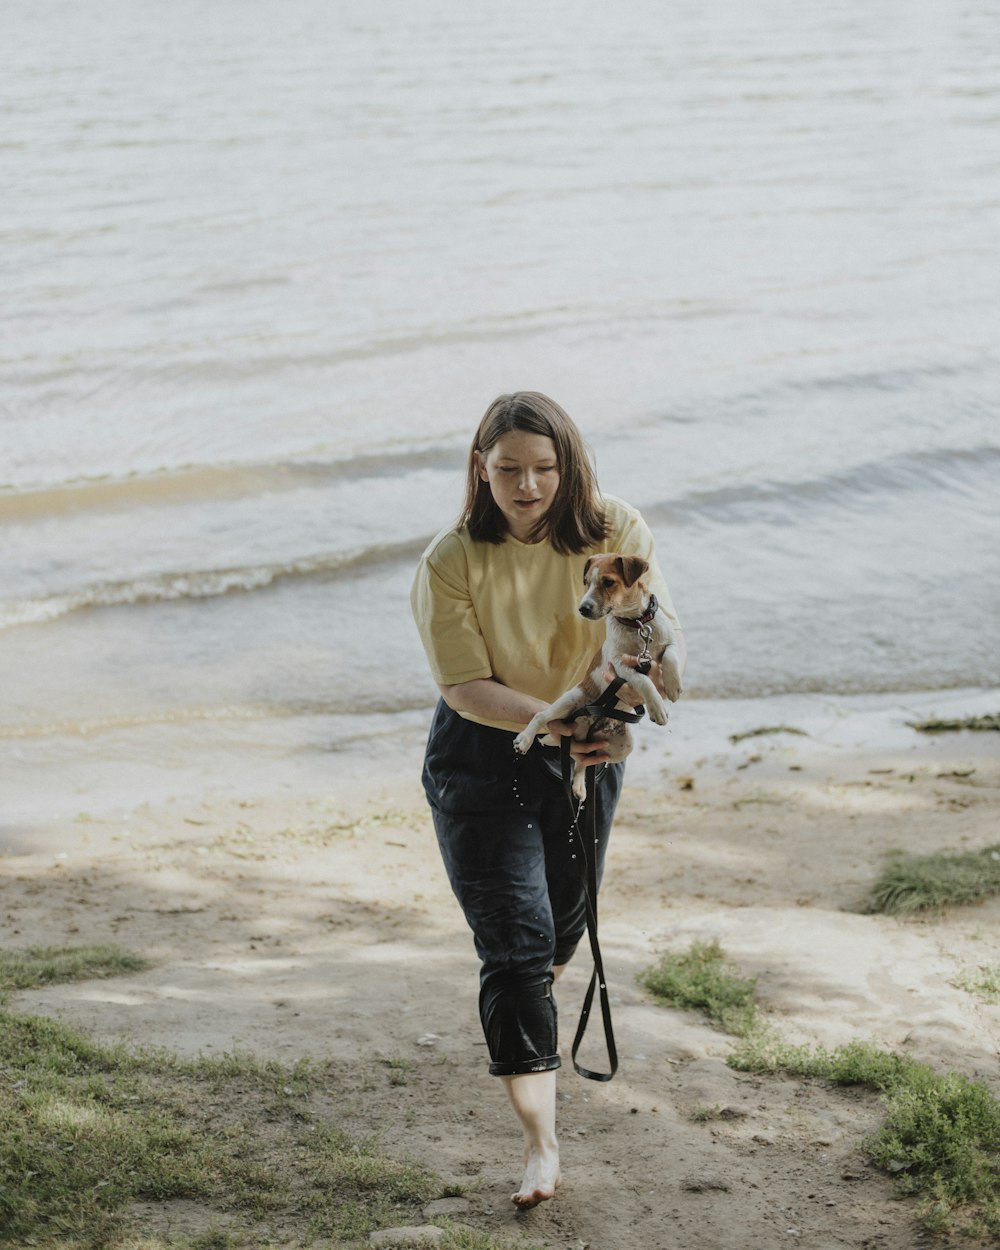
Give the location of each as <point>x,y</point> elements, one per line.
<point>262,278</point>
<point>313,918</point>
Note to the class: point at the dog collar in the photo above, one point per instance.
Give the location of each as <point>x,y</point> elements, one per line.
<point>638,621</point>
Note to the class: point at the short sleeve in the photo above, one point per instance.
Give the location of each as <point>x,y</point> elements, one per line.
<point>445,617</point>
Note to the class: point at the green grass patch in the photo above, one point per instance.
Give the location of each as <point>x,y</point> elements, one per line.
<point>87,1131</point>
<point>398,1070</point>
<point>939,1141</point>
<point>984,981</point>
<point>700,979</point>
<point>463,1237</point>
<point>913,883</point>
<point>762,730</point>
<point>977,723</point>
<point>46,965</point>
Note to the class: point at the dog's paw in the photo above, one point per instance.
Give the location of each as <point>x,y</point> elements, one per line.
<point>657,711</point>
<point>671,671</point>
<point>523,741</point>
<point>672,687</point>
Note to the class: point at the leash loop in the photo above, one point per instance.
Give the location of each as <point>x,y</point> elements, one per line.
<point>587,840</point>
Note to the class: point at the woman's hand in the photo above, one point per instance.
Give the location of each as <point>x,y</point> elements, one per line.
<point>627,694</point>
<point>583,753</point>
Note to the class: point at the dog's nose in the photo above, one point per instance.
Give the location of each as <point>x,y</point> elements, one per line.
<point>588,610</point>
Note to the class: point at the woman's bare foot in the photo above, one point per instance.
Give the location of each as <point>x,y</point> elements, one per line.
<point>541,1177</point>
<point>533,1095</point>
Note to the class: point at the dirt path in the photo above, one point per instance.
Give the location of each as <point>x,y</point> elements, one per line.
<point>324,926</point>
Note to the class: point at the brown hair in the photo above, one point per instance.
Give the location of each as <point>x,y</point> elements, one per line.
<point>576,520</point>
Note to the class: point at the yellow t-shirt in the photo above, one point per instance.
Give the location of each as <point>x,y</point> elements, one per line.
<point>509,610</point>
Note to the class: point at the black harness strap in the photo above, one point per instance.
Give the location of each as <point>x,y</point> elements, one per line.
<point>587,838</point>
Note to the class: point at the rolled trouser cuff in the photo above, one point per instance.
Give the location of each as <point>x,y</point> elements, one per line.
<point>547,1064</point>
<point>520,1022</point>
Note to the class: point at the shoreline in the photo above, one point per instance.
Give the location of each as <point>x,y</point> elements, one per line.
<point>114,771</point>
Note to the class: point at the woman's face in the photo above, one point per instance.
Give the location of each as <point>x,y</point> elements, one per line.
<point>523,472</point>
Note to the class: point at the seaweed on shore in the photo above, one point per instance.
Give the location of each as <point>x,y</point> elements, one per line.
<point>939,725</point>
<point>761,730</point>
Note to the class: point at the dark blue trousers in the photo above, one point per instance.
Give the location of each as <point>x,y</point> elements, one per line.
<point>503,824</point>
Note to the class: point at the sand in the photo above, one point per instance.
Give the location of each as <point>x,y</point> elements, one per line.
<point>313,918</point>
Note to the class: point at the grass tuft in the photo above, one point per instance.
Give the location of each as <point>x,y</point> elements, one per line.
<point>701,1115</point>
<point>48,965</point>
<point>913,883</point>
<point>462,1237</point>
<point>984,981</point>
<point>700,979</point>
<point>937,726</point>
<point>398,1070</point>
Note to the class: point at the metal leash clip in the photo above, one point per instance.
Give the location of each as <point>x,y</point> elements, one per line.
<point>644,660</point>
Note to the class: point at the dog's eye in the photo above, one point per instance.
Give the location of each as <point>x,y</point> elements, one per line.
<point>607,583</point>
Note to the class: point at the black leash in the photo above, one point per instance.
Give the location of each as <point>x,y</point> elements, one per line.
<point>603,706</point>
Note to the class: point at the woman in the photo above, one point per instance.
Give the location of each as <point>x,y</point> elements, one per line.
<point>495,600</point>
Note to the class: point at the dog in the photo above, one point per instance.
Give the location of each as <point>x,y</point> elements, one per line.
<point>616,592</point>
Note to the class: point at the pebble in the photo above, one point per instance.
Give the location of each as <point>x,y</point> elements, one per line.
<point>446,1206</point>
<point>404,1238</point>
<point>702,1184</point>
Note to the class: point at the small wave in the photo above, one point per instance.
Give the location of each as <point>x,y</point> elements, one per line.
<point>207,483</point>
<point>943,468</point>
<point>201,583</point>
<point>894,380</point>
<point>225,370</point>
<point>92,726</point>
<point>108,724</point>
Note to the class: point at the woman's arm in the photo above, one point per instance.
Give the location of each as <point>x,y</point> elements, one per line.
<point>492,701</point>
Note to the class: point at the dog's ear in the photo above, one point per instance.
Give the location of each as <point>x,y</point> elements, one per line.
<point>632,568</point>
<point>586,569</point>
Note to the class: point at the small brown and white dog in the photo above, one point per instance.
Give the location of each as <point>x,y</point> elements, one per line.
<point>616,592</point>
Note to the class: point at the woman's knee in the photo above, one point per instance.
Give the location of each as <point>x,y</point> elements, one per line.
<point>520,1023</point>
<point>516,952</point>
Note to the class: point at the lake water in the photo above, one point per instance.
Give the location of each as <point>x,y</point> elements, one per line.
<point>265,265</point>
